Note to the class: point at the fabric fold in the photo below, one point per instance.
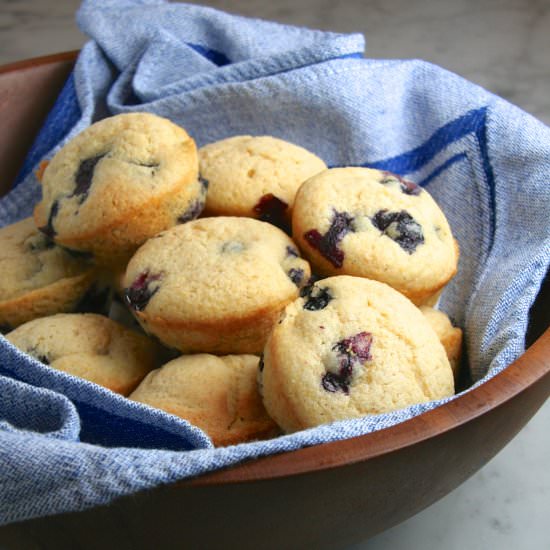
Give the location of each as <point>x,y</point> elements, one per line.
<point>104,418</point>
<point>25,408</point>
<point>483,160</point>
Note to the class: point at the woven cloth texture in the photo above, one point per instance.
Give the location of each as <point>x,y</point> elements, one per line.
<point>67,444</point>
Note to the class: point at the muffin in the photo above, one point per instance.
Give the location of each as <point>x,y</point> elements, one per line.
<point>119,182</point>
<point>214,285</point>
<point>255,176</point>
<point>450,336</point>
<point>373,224</point>
<point>350,347</point>
<point>40,278</point>
<point>217,394</point>
<point>89,346</point>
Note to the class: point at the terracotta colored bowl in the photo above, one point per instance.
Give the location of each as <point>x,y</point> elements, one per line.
<point>323,496</point>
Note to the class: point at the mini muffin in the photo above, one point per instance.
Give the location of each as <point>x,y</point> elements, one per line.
<point>373,224</point>
<point>433,300</point>
<point>214,285</point>
<point>350,347</point>
<point>217,394</point>
<point>450,336</point>
<point>89,346</point>
<point>119,182</point>
<point>255,177</point>
<point>40,278</point>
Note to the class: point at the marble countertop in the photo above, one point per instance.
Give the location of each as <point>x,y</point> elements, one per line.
<point>502,45</point>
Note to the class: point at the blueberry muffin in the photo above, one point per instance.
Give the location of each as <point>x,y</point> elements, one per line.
<point>214,285</point>
<point>255,177</point>
<point>350,347</point>
<point>40,278</point>
<point>89,346</point>
<point>217,394</point>
<point>373,224</point>
<point>119,182</point>
<point>449,336</point>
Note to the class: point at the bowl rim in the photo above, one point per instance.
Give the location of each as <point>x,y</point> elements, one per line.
<point>34,62</point>
<point>528,369</point>
<point>531,367</point>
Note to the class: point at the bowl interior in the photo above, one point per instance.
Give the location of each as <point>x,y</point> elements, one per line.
<point>461,433</point>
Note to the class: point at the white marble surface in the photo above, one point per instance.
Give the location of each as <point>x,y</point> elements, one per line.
<point>505,506</point>
<point>503,45</point>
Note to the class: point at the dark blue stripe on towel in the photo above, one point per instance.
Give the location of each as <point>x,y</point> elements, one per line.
<point>472,122</point>
<point>218,58</point>
<point>64,115</point>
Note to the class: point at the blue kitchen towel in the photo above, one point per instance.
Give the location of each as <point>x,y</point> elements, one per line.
<point>67,444</point>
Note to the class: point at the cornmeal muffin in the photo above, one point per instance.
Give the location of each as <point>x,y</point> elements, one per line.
<point>40,278</point>
<point>347,348</point>
<point>255,176</point>
<point>214,285</point>
<point>217,394</point>
<point>89,346</point>
<point>373,224</point>
<point>119,182</point>
<point>450,336</point>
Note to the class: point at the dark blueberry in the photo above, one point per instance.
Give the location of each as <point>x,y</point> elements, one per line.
<point>327,244</point>
<point>401,227</point>
<point>96,300</point>
<point>296,276</point>
<point>292,252</point>
<point>406,186</point>
<point>261,363</point>
<point>85,175</point>
<point>334,382</point>
<point>356,347</point>
<point>318,297</point>
<point>273,210</point>
<point>351,352</point>
<point>192,212</point>
<point>48,229</point>
<point>138,295</point>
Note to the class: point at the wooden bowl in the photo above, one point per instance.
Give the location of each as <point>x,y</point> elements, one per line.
<point>318,497</point>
